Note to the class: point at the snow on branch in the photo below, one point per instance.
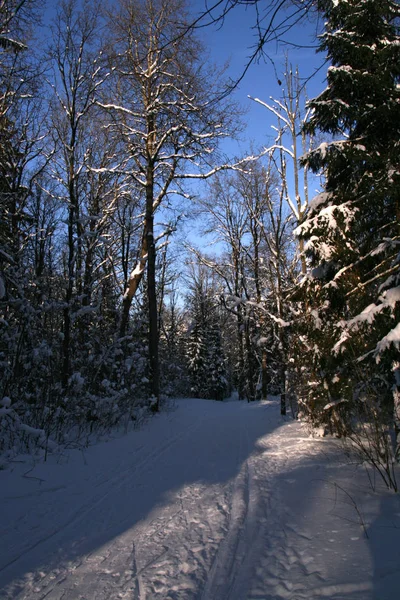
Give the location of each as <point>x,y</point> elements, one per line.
<point>293,208</point>
<point>334,403</point>
<point>393,337</point>
<point>39,435</point>
<point>346,210</point>
<point>118,108</point>
<point>169,229</point>
<point>270,108</point>
<point>276,320</point>
<point>389,299</point>
<point>7,43</point>
<point>238,166</point>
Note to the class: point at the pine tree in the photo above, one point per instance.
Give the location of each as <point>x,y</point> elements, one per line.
<point>351,230</point>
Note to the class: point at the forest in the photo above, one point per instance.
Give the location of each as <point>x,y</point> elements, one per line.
<point>110,139</point>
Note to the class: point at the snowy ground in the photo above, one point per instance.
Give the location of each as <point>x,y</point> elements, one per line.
<point>213,501</point>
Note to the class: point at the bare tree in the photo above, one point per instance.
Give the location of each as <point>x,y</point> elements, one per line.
<point>77,76</point>
<point>19,112</point>
<point>20,147</point>
<point>290,142</point>
<point>247,212</point>
<point>16,17</point>
<point>254,186</point>
<point>227,223</point>
<point>165,112</point>
<point>273,21</point>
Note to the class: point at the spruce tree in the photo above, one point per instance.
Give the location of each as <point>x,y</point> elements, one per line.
<point>205,354</point>
<point>351,330</point>
<point>197,351</point>
<point>216,364</point>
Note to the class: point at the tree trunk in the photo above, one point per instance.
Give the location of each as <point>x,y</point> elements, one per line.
<point>281,334</point>
<point>153,312</point>
<point>241,361</point>
<point>67,316</point>
<point>151,282</point>
<point>264,359</point>
<point>133,283</point>
<point>251,393</point>
<point>70,267</point>
<point>264,374</point>
<point>283,391</point>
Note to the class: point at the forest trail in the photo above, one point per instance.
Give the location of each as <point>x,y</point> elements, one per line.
<point>209,501</point>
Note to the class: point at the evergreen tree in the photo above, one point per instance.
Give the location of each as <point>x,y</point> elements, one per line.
<point>216,364</point>
<point>175,380</point>
<point>205,355</point>
<point>196,354</point>
<point>351,230</point>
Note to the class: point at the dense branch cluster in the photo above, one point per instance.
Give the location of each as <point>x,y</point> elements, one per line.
<point>96,135</point>
<point>105,307</point>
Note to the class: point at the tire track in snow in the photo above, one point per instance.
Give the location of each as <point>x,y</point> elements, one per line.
<point>222,569</point>
<point>109,573</point>
<point>285,569</point>
<point>225,580</point>
<point>175,545</point>
<point>120,479</point>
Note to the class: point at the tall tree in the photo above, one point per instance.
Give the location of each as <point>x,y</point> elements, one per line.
<point>20,116</point>
<point>166,113</point>
<point>206,361</point>
<point>77,75</point>
<point>351,230</point>
<point>226,220</point>
<point>291,140</point>
<point>244,212</point>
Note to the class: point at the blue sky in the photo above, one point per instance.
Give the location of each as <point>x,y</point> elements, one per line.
<point>234,41</point>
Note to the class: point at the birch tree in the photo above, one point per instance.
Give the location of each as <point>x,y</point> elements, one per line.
<point>291,142</point>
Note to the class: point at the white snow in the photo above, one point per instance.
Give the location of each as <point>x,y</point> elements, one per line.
<point>393,337</point>
<point>211,501</point>
<point>139,269</point>
<point>388,299</point>
<point>334,403</point>
<point>5,402</point>
<point>391,297</point>
<point>322,149</point>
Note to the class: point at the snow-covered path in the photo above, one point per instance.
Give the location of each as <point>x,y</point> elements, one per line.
<point>213,501</point>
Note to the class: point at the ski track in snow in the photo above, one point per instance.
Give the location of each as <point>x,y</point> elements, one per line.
<point>215,501</point>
